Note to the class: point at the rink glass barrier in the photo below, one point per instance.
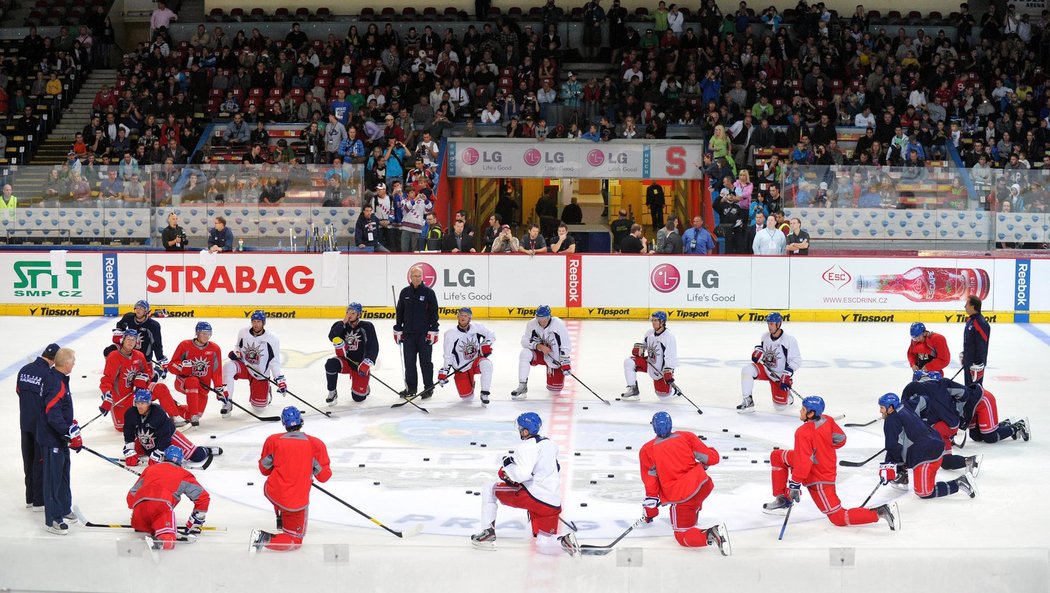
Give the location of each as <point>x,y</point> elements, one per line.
<point>923,207</point>
<point>273,206</point>
<point>223,563</point>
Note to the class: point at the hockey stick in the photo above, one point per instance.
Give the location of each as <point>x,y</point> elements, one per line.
<point>776,376</point>
<point>104,413</point>
<point>845,463</point>
<point>877,486</point>
<point>242,408</point>
<point>251,369</point>
<point>409,400</point>
<point>591,550</point>
<point>604,401</point>
<point>966,433</point>
<point>785,524</point>
<point>860,424</point>
<point>111,460</point>
<point>678,391</point>
<point>570,524</point>
<point>83,521</point>
<point>414,530</point>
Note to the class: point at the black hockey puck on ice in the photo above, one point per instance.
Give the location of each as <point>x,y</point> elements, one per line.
<point>484,445</point>
<point>776,448</point>
<point>473,442</point>
<point>754,461</point>
<point>725,430</point>
<point>736,436</point>
<point>612,475</point>
<point>736,448</point>
<point>628,447</point>
<point>477,494</point>
<point>426,459</point>
<point>766,461</point>
<point>470,492</point>
<point>83,376</point>
<point>594,481</point>
<point>213,436</point>
<point>617,399</point>
<point>251,483</point>
<point>585,407</point>
<point>725,457</point>
<point>743,448</point>
<point>375,483</point>
<point>610,440</point>
<point>360,465</point>
<point>577,454</point>
<point>583,504</point>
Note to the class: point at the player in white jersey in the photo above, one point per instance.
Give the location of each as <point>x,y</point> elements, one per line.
<point>774,360</point>
<point>467,350</point>
<point>545,343</point>
<point>657,355</point>
<point>531,481</point>
<point>256,358</point>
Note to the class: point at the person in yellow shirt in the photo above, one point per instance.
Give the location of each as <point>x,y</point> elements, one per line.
<point>54,85</point>
<point>8,203</point>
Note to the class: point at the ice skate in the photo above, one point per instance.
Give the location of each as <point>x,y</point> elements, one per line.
<point>570,545</point>
<point>485,397</point>
<point>967,485</point>
<point>747,406</point>
<point>333,396</point>
<point>891,514</point>
<point>71,518</point>
<point>902,482</point>
<point>631,395</point>
<point>227,407</point>
<point>521,392</point>
<point>1022,429</point>
<point>59,528</point>
<point>778,504</point>
<point>406,394</point>
<point>259,539</point>
<point>719,535</point>
<point>195,420</point>
<point>973,464</point>
<point>484,540</point>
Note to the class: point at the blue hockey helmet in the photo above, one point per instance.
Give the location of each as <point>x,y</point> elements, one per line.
<point>661,424</point>
<point>355,307</point>
<point>661,315</point>
<point>921,375</point>
<point>531,422</point>
<point>291,416</point>
<point>466,310</point>
<point>259,315</point>
<point>173,454</point>
<point>917,329</point>
<point>143,396</point>
<point>814,404</point>
<point>142,303</point>
<point>131,333</point>
<point>890,400</point>
<point>202,326</point>
<point>774,317</point>
<point>543,311</point>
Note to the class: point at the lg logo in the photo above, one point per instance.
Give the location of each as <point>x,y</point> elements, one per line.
<point>466,276</point>
<point>666,278</point>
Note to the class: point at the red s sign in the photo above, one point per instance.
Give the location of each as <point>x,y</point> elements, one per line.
<point>675,161</point>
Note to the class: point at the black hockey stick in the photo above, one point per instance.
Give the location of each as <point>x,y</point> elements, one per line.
<point>83,521</point>
<point>877,486</point>
<point>845,463</point>
<point>242,408</point>
<point>409,400</point>
<point>252,370</point>
<point>776,376</point>
<point>590,550</point>
<point>387,385</point>
<point>783,526</point>
<point>604,401</point>
<point>104,413</point>
<point>111,460</point>
<point>962,444</point>
<point>678,391</point>
<point>860,424</point>
<point>414,530</point>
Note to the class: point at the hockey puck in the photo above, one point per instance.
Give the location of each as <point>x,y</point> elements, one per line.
<point>577,454</point>
<point>375,483</point>
<point>510,451</point>
<point>725,430</point>
<point>743,448</point>
<point>703,438</point>
<point>83,376</point>
<point>736,436</point>
<point>470,492</point>
<point>585,407</point>
<point>736,448</point>
<point>594,481</point>
<point>251,483</point>
<point>477,494</point>
<point>426,459</point>
<point>213,436</point>
<point>776,448</point>
<point>612,475</point>
<point>628,447</point>
<point>725,457</point>
<point>766,461</point>
<point>610,440</point>
<point>583,504</point>
<point>360,465</point>
<point>473,442</point>
<point>484,445</point>
<point>754,461</point>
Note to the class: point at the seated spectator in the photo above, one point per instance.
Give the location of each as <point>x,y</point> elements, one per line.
<point>563,242</point>
<point>111,190</point>
<point>237,132</point>
<point>220,238</point>
<point>273,191</point>
<point>506,242</point>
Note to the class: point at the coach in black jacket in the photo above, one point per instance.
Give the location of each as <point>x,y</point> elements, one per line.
<point>416,329</point>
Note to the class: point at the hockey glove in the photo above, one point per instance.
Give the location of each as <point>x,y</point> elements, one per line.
<point>638,350</point>
<point>234,355</point>
<point>282,385</point>
<point>365,367</point>
<point>75,442</point>
<point>183,368</point>
<point>161,369</point>
<point>107,403</point>
<point>669,376</point>
<point>651,508</point>
<point>756,355</point>
<point>507,460</point>
<point>566,368</point>
<point>976,372</point>
<point>118,336</point>
<point>195,522</point>
<point>443,376</point>
<point>141,381</point>
<point>156,456</point>
<point>432,338</point>
<point>794,492</point>
<point>131,456</point>
<point>888,472</point>
<point>486,350</point>
<point>506,479</point>
<point>785,380</point>
<point>222,394</point>
<point>397,337</point>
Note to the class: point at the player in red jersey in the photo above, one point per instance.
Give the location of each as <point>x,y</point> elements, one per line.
<point>814,464</point>
<point>928,350</point>
<point>126,371</point>
<point>291,460</point>
<point>197,365</point>
<point>153,498</point>
<point>674,472</point>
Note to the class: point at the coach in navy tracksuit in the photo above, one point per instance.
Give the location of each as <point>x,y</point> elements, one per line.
<point>57,433</point>
<point>33,379</point>
<point>416,328</point>
<point>975,342</point>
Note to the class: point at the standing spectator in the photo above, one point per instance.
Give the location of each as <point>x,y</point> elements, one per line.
<point>620,228</point>
<point>974,355</point>
<point>416,330</point>
<point>593,19</point>
<point>654,199</point>
<point>8,202</point>
<point>290,462</point>
<point>432,234</point>
<point>533,242</point>
<point>572,213</point>
<point>334,136</point>
<point>634,242</point>
<point>414,209</point>
<point>457,241</point>
<point>220,238</point>
<point>697,240</point>
<point>58,432</point>
<point>491,232</point>
<point>366,231</point>
<point>798,239</point>
<point>34,380</point>
<point>769,241</point>
<point>173,238</point>
<point>672,241</point>
<point>161,17</point>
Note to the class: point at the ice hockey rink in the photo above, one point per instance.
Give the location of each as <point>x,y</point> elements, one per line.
<point>405,467</point>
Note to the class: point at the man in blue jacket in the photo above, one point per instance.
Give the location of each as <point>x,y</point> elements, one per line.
<point>57,433</point>
<point>34,379</point>
<point>975,342</point>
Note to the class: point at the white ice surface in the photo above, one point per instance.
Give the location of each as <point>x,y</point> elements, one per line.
<point>998,542</point>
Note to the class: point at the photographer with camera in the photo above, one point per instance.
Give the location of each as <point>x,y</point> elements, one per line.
<point>173,237</point>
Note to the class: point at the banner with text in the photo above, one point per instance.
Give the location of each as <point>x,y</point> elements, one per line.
<point>573,159</point>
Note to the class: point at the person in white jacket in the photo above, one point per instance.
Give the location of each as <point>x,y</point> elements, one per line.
<point>530,481</point>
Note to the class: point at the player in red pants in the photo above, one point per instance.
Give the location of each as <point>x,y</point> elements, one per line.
<point>531,481</point>
<point>813,464</point>
<point>674,472</point>
<point>985,427</point>
<point>197,365</point>
<point>291,460</point>
<point>126,371</point>
<point>153,498</point>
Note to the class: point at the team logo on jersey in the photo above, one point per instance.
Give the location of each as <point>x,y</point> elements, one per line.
<point>200,366</point>
<point>147,438</point>
<point>352,341</point>
<point>252,353</point>
<point>769,357</point>
<point>470,349</point>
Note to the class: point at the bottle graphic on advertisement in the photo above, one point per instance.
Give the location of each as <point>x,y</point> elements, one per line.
<point>930,285</point>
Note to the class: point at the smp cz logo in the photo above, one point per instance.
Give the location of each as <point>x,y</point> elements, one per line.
<point>532,157</point>
<point>836,276</point>
<point>595,158</point>
<point>429,273</point>
<point>665,278</point>
<point>471,156</point>
<point>36,279</point>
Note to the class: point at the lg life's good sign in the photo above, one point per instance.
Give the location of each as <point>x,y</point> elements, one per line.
<point>589,160</point>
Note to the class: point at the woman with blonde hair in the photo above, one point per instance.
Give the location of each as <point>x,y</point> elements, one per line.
<point>721,146</point>
<point>743,188</point>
